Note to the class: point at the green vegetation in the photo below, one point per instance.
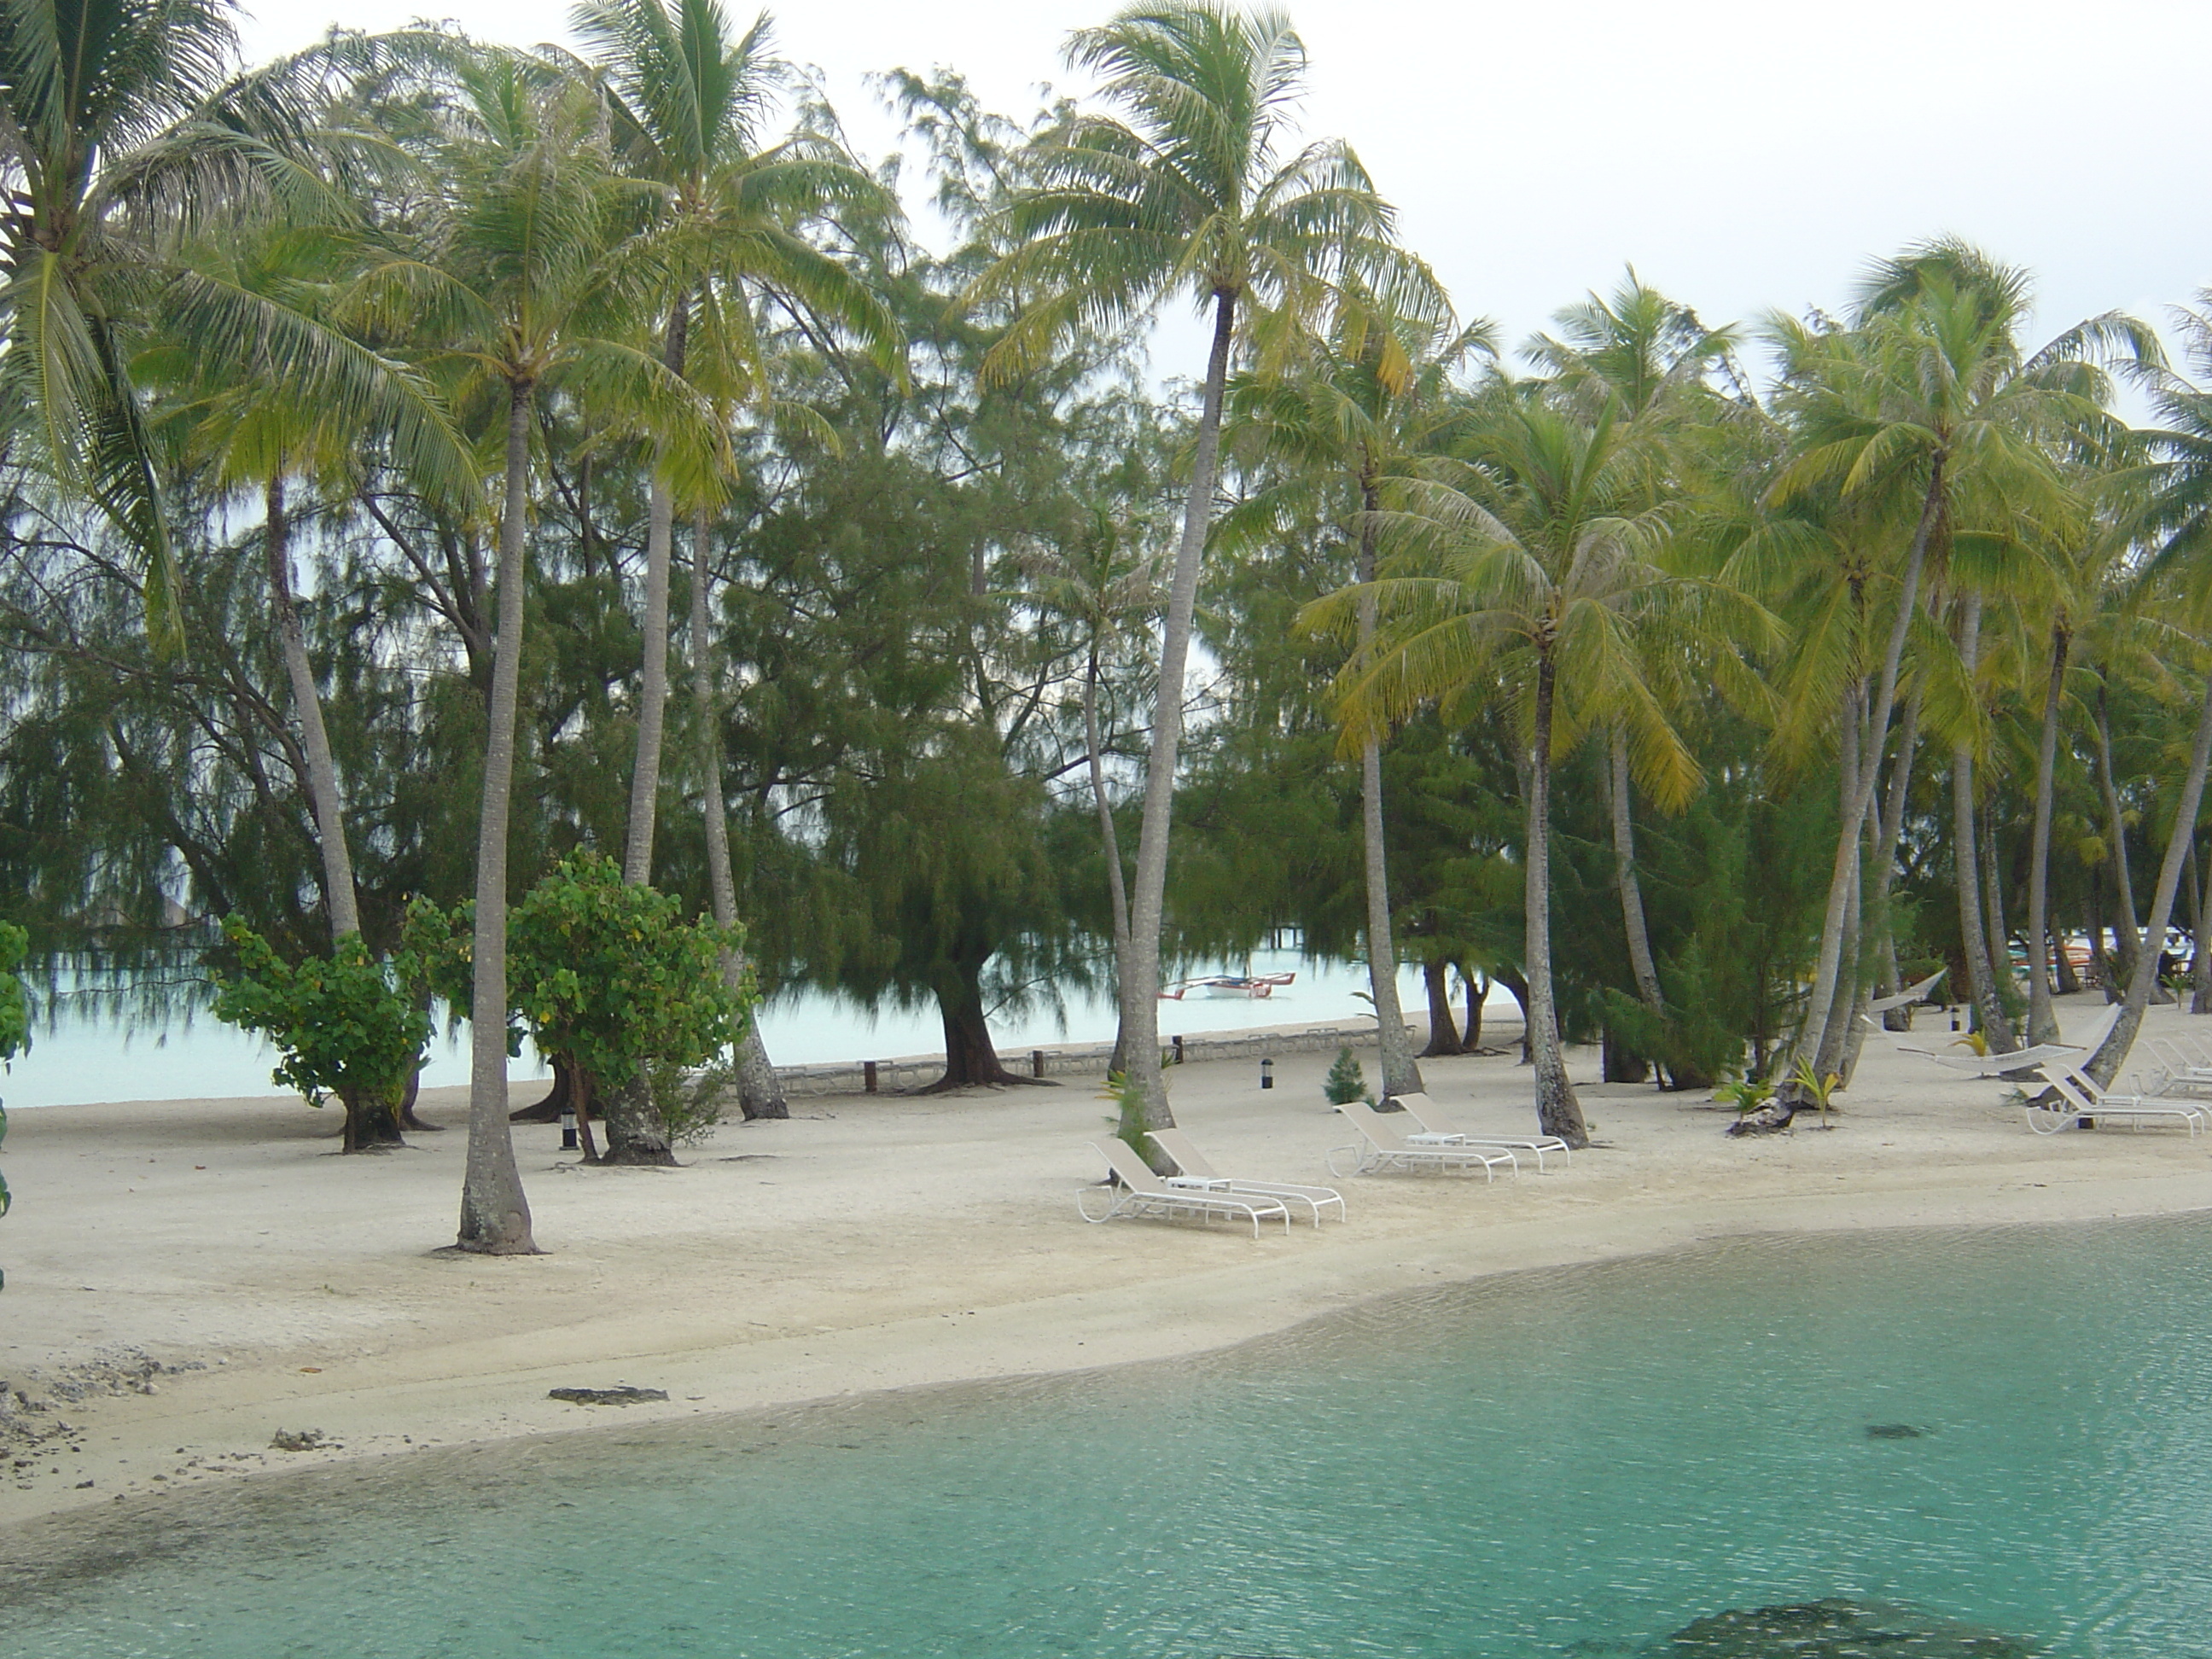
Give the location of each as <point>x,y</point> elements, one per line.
<point>611,982</point>
<point>346,1024</point>
<point>494,519</point>
<point>1346,1080</point>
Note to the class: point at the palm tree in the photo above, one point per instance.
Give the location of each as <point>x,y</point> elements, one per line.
<point>127,133</point>
<point>1528,582</point>
<point>1927,413</point>
<point>2175,519</point>
<point>1186,193</point>
<point>516,292</point>
<point>1354,406</point>
<point>1655,357</point>
<point>687,97</point>
<point>277,396</point>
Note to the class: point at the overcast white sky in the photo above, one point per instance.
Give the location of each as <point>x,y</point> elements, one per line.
<point>1743,156</point>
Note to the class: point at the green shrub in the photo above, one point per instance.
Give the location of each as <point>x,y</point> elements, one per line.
<point>608,977</point>
<point>1345,1081</point>
<point>346,1024</point>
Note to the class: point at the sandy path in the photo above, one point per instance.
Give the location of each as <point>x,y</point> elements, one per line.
<point>869,1244</point>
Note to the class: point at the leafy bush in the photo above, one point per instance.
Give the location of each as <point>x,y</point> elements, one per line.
<point>609,978</point>
<point>346,1024</point>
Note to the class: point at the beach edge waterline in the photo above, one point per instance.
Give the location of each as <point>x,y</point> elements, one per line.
<point>1203,1310</point>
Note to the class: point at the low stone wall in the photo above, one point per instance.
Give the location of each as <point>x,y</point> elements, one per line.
<point>891,1077</point>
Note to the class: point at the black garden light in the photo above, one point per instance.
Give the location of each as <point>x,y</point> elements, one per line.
<point>1267,1074</point>
<point>567,1128</point>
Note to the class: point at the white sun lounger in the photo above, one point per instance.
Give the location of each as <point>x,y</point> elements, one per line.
<point>1437,1129</point>
<point>1197,1172</point>
<point>2020,1060</point>
<point>2087,1100</point>
<point>2181,1071</point>
<point>1143,1192</point>
<point>1381,1145</point>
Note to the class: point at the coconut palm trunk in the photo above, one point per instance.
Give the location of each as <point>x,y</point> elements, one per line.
<point>1640,961</point>
<point>2127,938</point>
<point>1557,1111</point>
<point>1117,892</point>
<point>1884,857</point>
<point>495,1214</point>
<point>653,680</point>
<point>338,897</point>
<point>1834,1018</point>
<point>1843,879</point>
<point>1401,1072</point>
<point>1989,1011</point>
<point>1997,932</point>
<point>2112,1053</point>
<point>760,1093</point>
<point>2042,1018</point>
<point>1139,1035</point>
<point>2200,958</point>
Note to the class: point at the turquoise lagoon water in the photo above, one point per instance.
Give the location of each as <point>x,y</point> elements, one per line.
<point>1574,1462</point>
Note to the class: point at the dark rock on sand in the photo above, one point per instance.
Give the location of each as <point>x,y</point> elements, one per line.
<point>621,1396</point>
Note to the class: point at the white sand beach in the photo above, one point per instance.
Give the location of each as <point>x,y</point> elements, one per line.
<point>869,1244</point>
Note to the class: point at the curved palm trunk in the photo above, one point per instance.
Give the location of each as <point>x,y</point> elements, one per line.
<point>2126,937</point>
<point>1834,1021</point>
<point>1401,1073</point>
<point>1884,873</point>
<point>2042,1018</point>
<point>1641,963</point>
<point>1996,931</point>
<point>1844,876</point>
<point>322,779</point>
<point>1117,893</point>
<point>653,687</point>
<point>1139,1035</point>
<point>2112,1053</point>
<point>1989,1010</point>
<point>1557,1112</point>
<point>495,1214</point>
<point>760,1093</point>
<point>2192,897</point>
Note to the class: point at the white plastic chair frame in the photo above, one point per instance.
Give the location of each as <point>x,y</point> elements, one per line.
<point>1143,1192</point>
<point>1424,1111</point>
<point>1382,1147</point>
<point>1195,1169</point>
<point>2181,1071</point>
<point>2085,1099</point>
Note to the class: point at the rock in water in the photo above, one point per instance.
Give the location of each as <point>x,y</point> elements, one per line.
<point>1893,1431</point>
<point>621,1396</point>
<point>1836,1629</point>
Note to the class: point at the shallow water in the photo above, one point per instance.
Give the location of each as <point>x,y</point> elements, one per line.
<point>78,1057</point>
<point>1572,1463</point>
